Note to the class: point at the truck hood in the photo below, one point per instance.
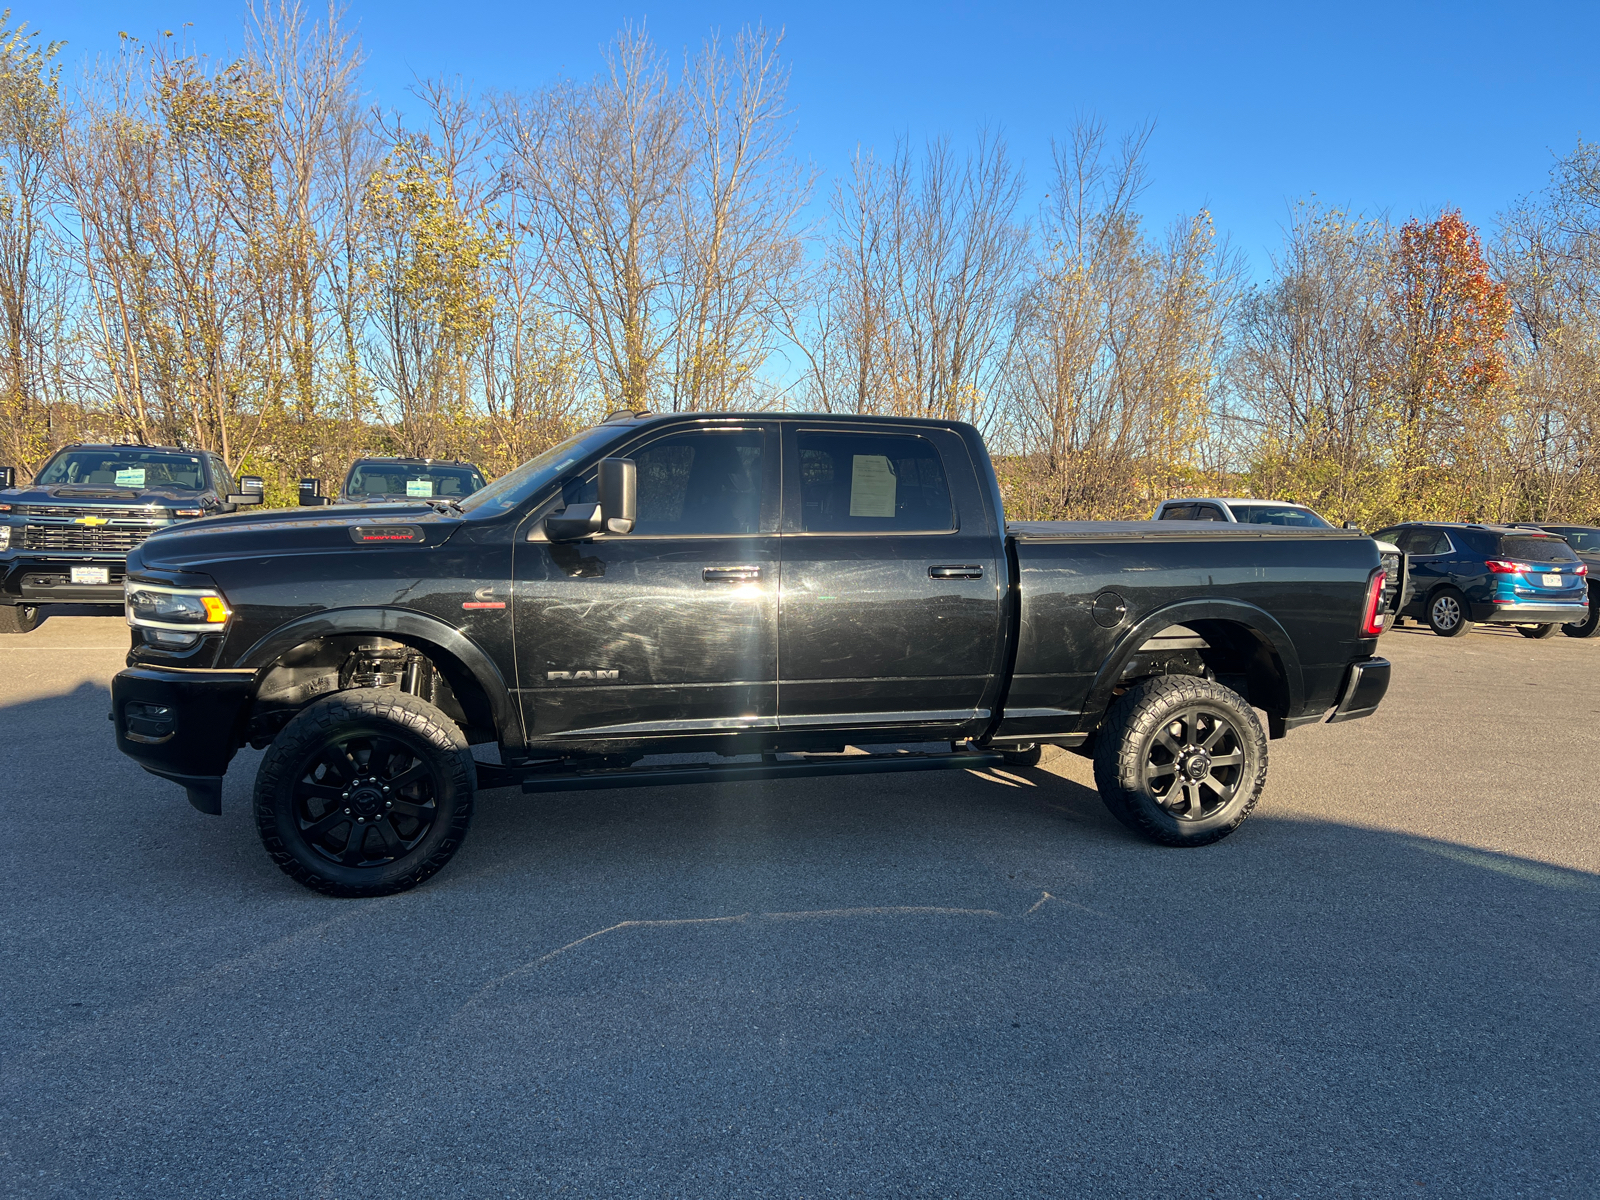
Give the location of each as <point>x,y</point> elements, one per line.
<point>259,535</point>
<point>89,497</point>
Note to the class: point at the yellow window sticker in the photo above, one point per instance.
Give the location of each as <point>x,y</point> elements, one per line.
<point>871,486</point>
<point>419,487</point>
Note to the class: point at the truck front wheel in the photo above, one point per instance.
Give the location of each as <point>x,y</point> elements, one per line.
<point>365,793</point>
<point>1181,760</point>
<point>19,618</point>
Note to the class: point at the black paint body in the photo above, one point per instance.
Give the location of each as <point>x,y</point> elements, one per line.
<point>790,634</point>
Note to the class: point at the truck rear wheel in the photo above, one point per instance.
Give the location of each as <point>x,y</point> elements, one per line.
<point>1181,760</point>
<point>365,793</point>
<point>1538,632</point>
<point>18,618</point>
<point>1591,623</point>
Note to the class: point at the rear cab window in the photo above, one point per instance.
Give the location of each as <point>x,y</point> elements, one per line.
<point>864,482</point>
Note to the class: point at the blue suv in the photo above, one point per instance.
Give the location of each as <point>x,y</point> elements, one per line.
<point>1491,574</point>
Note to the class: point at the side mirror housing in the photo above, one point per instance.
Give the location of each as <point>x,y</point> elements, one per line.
<point>8,477</point>
<point>616,513</point>
<point>311,493</point>
<point>619,494</point>
<point>252,490</point>
<point>1354,526</point>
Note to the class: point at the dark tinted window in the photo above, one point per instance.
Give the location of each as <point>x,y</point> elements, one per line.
<point>1277,514</point>
<point>1586,540</point>
<point>415,481</point>
<point>1398,536</point>
<point>125,469</point>
<point>860,482</point>
<point>1430,541</point>
<point>1178,512</point>
<point>1207,512</point>
<point>707,481</point>
<point>1536,549</point>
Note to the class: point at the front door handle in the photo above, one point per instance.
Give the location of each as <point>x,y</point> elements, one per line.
<point>956,572</point>
<point>730,574</point>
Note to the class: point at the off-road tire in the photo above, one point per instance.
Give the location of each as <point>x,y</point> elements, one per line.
<point>1538,632</point>
<point>1590,625</point>
<point>288,775</point>
<point>1023,758</point>
<point>19,618</point>
<point>1129,734</point>
<point>1443,606</point>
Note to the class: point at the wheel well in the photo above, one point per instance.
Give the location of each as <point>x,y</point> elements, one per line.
<point>344,661</point>
<point>1232,653</point>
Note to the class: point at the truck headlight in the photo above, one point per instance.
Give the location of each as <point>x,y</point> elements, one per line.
<point>183,611</point>
<point>5,537</point>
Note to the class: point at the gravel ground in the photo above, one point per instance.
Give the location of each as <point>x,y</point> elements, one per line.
<point>955,984</point>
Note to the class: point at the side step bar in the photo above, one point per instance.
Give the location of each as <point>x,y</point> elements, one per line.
<point>796,768</point>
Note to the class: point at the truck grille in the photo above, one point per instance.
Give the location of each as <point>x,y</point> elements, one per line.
<point>81,537</point>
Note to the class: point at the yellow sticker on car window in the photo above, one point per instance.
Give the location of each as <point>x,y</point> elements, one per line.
<point>419,487</point>
<point>871,486</point>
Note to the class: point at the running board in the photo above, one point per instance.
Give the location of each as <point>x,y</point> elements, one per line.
<point>799,768</point>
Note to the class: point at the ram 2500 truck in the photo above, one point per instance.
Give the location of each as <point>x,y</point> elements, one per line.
<point>770,588</point>
<point>64,539</point>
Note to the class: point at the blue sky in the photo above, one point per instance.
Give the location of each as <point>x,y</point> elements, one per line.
<point>1398,107</point>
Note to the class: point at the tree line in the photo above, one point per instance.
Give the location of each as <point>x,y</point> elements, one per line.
<point>243,255</point>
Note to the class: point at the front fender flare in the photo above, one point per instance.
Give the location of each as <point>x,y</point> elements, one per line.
<point>438,639</point>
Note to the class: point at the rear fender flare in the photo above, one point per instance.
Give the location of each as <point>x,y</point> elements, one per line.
<point>453,652</point>
<point>1186,612</point>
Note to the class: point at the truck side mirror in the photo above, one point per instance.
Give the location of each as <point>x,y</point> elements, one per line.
<point>616,513</point>
<point>8,477</point>
<point>619,494</point>
<point>1354,526</point>
<point>251,491</point>
<point>311,493</point>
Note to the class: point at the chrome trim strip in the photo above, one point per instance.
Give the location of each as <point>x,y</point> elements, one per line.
<point>935,716</point>
<point>1009,713</point>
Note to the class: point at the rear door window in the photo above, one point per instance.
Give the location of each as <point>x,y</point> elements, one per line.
<point>1178,512</point>
<point>1207,512</point>
<point>872,482</point>
<point>1536,549</point>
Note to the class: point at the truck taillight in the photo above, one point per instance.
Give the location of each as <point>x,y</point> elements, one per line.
<point>1371,616</point>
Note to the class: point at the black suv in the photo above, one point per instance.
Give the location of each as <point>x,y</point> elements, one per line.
<point>375,480</point>
<point>1491,574</point>
<point>64,540</point>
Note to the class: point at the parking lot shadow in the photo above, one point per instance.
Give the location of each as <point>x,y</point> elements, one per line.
<point>948,983</point>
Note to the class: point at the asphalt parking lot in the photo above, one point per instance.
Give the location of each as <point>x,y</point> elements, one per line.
<point>924,985</point>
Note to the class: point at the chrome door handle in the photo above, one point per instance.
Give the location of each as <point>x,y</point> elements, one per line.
<point>730,574</point>
<point>955,572</point>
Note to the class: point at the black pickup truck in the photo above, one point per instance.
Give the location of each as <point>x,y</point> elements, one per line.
<point>779,590</point>
<point>64,539</point>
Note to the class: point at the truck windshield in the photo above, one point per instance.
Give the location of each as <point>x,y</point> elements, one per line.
<point>1278,514</point>
<point>417,481</point>
<point>512,488</point>
<point>124,468</point>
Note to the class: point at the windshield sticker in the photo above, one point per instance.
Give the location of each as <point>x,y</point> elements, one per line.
<point>377,534</point>
<point>130,477</point>
<point>419,487</point>
<point>871,486</point>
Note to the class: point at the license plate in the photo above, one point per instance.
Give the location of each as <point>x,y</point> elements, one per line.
<point>91,574</point>
<point>1552,581</point>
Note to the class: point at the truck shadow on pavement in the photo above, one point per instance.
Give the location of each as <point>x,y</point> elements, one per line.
<point>946,984</point>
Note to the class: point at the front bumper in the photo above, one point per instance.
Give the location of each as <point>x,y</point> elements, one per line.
<point>1530,612</point>
<point>1364,689</point>
<point>29,577</point>
<point>185,724</point>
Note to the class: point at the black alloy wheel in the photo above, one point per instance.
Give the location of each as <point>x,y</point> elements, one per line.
<point>1539,632</point>
<point>1181,760</point>
<point>1447,613</point>
<point>365,793</point>
<point>19,618</point>
<point>1591,623</point>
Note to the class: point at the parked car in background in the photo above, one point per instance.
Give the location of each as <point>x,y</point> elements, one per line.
<point>1288,515</point>
<point>65,538</point>
<point>1585,543</point>
<point>379,480</point>
<point>1491,574</point>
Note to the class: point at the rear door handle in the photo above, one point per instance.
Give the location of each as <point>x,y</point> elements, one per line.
<point>955,572</point>
<point>730,574</point>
